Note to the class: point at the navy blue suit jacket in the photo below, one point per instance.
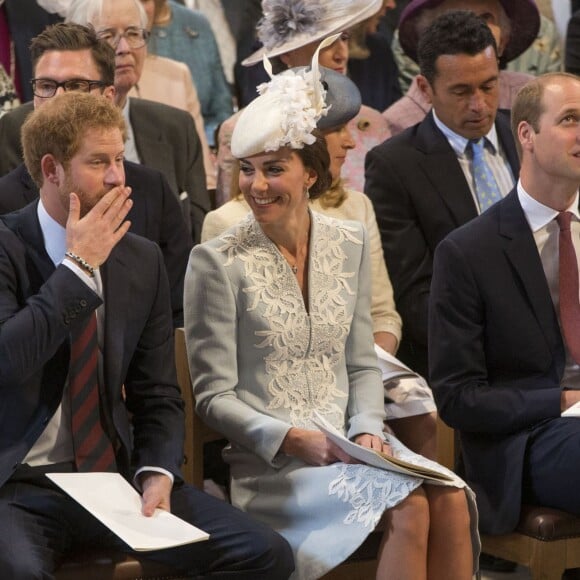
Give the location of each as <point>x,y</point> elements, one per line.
<point>155,215</point>
<point>420,194</point>
<point>496,354</point>
<point>39,305</point>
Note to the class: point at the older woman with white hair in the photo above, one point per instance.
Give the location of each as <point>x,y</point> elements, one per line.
<point>279,333</point>
<point>144,75</point>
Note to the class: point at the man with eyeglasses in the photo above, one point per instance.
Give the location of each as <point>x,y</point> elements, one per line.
<point>47,88</point>
<point>70,57</point>
<point>159,136</point>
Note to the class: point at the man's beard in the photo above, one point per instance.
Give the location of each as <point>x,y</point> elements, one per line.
<point>87,202</point>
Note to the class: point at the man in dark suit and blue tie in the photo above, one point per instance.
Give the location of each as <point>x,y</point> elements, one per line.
<point>427,181</point>
<point>504,320</point>
<point>67,263</point>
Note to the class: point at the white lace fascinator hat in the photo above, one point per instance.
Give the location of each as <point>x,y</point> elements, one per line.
<point>290,24</point>
<point>292,105</point>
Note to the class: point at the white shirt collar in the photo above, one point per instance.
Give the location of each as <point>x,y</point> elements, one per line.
<point>537,214</point>
<point>130,146</point>
<point>54,235</point>
<point>125,110</point>
<point>458,142</point>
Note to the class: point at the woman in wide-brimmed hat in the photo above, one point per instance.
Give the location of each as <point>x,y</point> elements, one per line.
<point>409,404</point>
<point>290,31</point>
<point>279,335</point>
<point>514,24</point>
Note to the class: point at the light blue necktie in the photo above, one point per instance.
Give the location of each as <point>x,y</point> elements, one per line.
<point>486,186</point>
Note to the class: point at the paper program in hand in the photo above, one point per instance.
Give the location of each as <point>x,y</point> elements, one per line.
<point>376,458</point>
<point>112,500</point>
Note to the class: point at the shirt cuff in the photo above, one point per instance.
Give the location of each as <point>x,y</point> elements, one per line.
<point>88,280</point>
<point>150,468</point>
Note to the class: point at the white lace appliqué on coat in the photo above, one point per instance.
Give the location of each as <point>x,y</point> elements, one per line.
<point>302,347</point>
<point>370,491</point>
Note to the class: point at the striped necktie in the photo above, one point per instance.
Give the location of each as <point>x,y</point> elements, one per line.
<point>93,449</point>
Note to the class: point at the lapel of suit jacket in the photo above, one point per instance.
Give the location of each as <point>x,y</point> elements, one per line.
<point>117,295</point>
<point>116,299</point>
<point>150,140</point>
<point>25,225</point>
<point>442,168</point>
<point>504,133</point>
<point>521,250</point>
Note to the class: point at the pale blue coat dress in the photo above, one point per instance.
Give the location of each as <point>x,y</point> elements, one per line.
<point>262,363</point>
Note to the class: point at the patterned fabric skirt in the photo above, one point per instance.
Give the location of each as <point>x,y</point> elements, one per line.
<point>327,512</point>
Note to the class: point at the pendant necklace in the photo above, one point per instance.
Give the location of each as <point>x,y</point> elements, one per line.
<point>293,267</point>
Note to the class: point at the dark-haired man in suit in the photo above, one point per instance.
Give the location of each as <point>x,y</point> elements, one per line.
<point>428,180</point>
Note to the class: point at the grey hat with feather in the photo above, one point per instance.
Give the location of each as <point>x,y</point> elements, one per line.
<point>291,24</point>
<point>292,105</point>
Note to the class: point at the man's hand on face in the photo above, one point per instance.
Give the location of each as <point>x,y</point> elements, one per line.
<point>93,236</point>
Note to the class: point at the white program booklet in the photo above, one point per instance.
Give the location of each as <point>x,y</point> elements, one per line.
<point>390,366</point>
<point>113,501</point>
<point>573,411</point>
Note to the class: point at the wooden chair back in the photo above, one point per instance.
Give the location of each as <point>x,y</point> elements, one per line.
<point>197,433</point>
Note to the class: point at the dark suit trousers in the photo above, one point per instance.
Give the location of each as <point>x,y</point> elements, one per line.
<point>40,524</point>
<point>551,476</point>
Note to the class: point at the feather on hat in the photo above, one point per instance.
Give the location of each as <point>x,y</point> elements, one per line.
<point>290,24</point>
<point>292,105</point>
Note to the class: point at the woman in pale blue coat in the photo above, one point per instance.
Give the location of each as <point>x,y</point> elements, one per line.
<point>278,326</point>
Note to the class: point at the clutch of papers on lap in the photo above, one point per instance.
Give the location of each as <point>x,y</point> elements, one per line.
<point>376,458</point>
<point>573,411</point>
<point>112,500</point>
<point>390,366</point>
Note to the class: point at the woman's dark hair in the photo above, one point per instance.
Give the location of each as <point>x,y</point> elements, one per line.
<point>316,157</point>
<point>313,157</point>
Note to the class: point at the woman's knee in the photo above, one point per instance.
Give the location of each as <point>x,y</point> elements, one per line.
<point>448,505</point>
<point>410,517</point>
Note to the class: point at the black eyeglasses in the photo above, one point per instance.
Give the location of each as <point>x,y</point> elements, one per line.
<point>46,88</point>
<point>135,37</point>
